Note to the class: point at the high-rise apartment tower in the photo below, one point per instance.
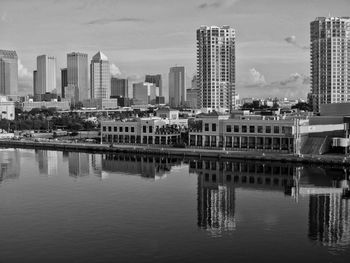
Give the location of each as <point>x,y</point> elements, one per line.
<point>8,72</point>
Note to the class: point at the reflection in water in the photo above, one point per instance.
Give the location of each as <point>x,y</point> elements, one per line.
<point>83,164</point>
<point>146,166</point>
<point>9,164</point>
<point>48,161</point>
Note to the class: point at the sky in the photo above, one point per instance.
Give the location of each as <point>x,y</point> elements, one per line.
<point>149,36</point>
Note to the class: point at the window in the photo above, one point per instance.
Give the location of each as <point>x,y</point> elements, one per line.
<point>126,129</point>
<point>236,128</point>
<point>260,129</point>
<point>206,126</point>
<point>144,129</point>
<point>109,128</point>
<point>244,128</point>
<point>115,129</point>
<point>276,129</point>
<point>104,128</point>
<point>268,129</point>
<point>228,128</point>
<point>213,127</point>
<point>251,129</point>
<point>150,129</point>
<point>132,129</point>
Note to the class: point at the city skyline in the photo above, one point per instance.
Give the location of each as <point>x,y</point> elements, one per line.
<point>273,56</point>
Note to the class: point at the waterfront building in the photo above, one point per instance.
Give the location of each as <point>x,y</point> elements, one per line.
<point>78,74</point>
<point>145,93</point>
<point>46,75</point>
<point>156,80</point>
<point>7,109</point>
<point>177,86</point>
<point>330,57</point>
<point>8,72</point>
<point>64,82</point>
<point>100,77</point>
<point>216,67</point>
<point>119,88</point>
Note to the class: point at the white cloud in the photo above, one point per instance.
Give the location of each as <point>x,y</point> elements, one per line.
<point>23,71</point>
<point>115,71</point>
<point>256,77</point>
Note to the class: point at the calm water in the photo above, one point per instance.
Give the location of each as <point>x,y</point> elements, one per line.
<point>78,207</point>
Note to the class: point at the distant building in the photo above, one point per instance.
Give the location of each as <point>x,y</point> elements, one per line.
<point>78,74</point>
<point>64,82</point>
<point>100,77</point>
<point>59,105</point>
<point>216,67</point>
<point>35,80</point>
<point>330,53</point>
<point>193,96</point>
<point>145,93</point>
<point>119,87</point>
<point>177,86</point>
<point>8,72</point>
<point>7,109</point>
<point>101,104</point>
<point>46,75</point>
<point>156,80</point>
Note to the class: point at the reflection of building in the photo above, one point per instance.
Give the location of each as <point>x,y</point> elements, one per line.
<point>48,161</point>
<point>217,181</point>
<point>329,219</point>
<point>9,164</point>
<point>78,164</point>
<point>146,166</point>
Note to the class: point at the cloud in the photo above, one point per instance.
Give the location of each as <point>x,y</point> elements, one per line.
<point>115,71</point>
<point>23,71</point>
<point>255,77</point>
<point>293,41</point>
<point>105,21</point>
<point>217,4</point>
<point>295,86</point>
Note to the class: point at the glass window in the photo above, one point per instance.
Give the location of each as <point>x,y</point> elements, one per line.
<point>115,129</point>
<point>268,129</point>
<point>144,129</point>
<point>228,128</point>
<point>109,128</point>
<point>213,127</point>
<point>206,126</point>
<point>276,129</point>
<point>126,129</point>
<point>260,129</point>
<point>120,129</point>
<point>236,128</point>
<point>244,128</point>
<point>150,129</point>
<point>132,129</point>
<point>251,129</point>
<point>104,128</point>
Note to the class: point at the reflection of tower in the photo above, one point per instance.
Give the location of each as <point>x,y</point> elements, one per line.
<point>216,204</point>
<point>48,161</point>
<point>329,219</point>
<point>9,165</point>
<point>78,164</point>
<point>96,164</point>
<point>41,158</point>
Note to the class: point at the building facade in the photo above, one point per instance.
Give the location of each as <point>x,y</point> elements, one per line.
<point>8,72</point>
<point>78,74</point>
<point>46,75</point>
<point>7,109</point>
<point>119,87</point>
<point>177,86</point>
<point>100,77</point>
<point>330,58</point>
<point>216,67</point>
<point>156,80</point>
<point>64,82</point>
<point>145,93</point>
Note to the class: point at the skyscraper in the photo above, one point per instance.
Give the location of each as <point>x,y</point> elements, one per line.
<point>216,67</point>
<point>8,72</point>
<point>46,75</point>
<point>177,86</point>
<point>64,81</point>
<point>35,80</point>
<point>330,58</point>
<point>78,74</point>
<point>145,93</point>
<point>100,77</point>
<point>119,87</point>
<point>156,80</point>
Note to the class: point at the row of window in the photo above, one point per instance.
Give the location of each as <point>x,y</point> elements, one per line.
<point>250,128</point>
<point>121,129</point>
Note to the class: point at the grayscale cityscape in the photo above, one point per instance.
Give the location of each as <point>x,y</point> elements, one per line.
<point>174,131</point>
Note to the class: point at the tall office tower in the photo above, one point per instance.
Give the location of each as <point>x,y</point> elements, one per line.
<point>156,80</point>
<point>330,60</point>
<point>46,75</point>
<point>145,93</point>
<point>35,80</point>
<point>100,77</point>
<point>8,72</point>
<point>64,81</point>
<point>119,88</point>
<point>216,67</point>
<point>177,86</point>
<point>78,75</point>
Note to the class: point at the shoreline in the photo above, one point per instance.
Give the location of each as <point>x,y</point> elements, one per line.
<point>181,152</point>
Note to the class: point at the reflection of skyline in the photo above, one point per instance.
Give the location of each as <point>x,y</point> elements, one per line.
<point>10,164</point>
<point>146,166</point>
<point>83,164</point>
<point>48,161</point>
